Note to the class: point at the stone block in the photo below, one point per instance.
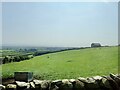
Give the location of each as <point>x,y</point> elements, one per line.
<point>23,76</point>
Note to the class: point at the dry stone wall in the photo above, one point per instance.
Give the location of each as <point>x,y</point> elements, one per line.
<point>111,82</point>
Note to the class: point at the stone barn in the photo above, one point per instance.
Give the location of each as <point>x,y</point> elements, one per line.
<point>95,45</point>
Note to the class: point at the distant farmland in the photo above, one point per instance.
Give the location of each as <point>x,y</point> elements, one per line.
<point>68,64</point>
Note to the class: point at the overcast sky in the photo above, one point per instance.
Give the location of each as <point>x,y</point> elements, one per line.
<point>60,24</point>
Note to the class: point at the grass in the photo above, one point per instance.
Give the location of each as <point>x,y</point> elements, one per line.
<point>11,52</point>
<point>68,64</point>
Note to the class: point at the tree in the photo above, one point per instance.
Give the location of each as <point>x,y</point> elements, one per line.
<point>5,60</point>
<point>17,59</point>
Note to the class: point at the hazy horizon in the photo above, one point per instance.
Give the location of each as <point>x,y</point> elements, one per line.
<point>59,24</point>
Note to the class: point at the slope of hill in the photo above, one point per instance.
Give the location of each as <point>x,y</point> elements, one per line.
<point>68,64</point>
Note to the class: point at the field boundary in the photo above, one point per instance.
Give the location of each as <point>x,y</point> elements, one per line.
<point>111,82</point>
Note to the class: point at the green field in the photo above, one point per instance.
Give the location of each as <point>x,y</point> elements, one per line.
<point>68,64</point>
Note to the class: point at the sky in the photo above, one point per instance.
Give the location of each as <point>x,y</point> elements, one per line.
<point>59,0</point>
<point>59,24</point>
<point>0,24</point>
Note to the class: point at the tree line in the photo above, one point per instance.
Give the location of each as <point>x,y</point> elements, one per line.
<point>9,59</point>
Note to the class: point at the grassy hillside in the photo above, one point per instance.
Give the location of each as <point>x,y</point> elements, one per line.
<point>68,64</point>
